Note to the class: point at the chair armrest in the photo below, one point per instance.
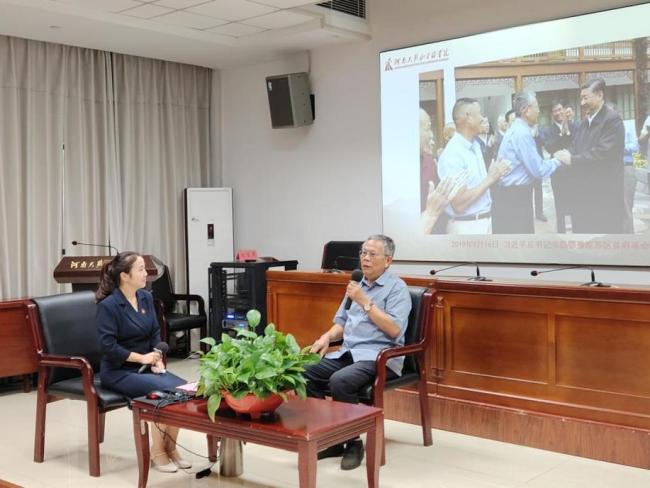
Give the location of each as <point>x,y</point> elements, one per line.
<point>397,351</point>
<point>58,361</point>
<point>191,298</point>
<point>391,352</point>
<point>72,362</point>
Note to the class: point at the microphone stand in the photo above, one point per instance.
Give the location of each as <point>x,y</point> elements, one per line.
<point>478,276</point>
<point>110,248</point>
<point>594,283</point>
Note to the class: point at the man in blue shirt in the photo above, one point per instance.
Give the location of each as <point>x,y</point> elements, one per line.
<point>469,209</point>
<point>376,320</point>
<point>512,198</point>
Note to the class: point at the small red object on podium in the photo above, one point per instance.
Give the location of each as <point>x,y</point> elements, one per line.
<point>244,255</point>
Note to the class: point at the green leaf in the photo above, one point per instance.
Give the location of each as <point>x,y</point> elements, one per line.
<point>293,345</point>
<point>209,341</point>
<point>213,405</point>
<point>253,317</point>
<point>246,333</point>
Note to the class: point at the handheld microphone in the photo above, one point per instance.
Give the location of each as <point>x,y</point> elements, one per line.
<point>161,348</point>
<point>478,276</point>
<point>357,275</point>
<point>593,281</point>
<point>77,243</point>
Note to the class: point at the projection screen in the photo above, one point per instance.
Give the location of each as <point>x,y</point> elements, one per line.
<point>564,179</point>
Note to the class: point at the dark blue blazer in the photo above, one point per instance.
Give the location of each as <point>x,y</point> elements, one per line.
<point>122,330</point>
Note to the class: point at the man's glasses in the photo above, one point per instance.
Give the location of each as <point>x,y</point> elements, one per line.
<point>370,254</point>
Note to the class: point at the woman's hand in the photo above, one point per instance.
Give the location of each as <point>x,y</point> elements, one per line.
<point>151,358</point>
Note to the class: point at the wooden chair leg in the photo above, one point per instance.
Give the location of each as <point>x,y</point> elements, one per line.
<point>378,402</point>
<point>425,416</point>
<point>383,444</point>
<point>39,430</point>
<point>102,425</point>
<point>93,438</point>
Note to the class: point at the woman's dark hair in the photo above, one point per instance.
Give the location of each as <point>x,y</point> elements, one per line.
<point>109,279</point>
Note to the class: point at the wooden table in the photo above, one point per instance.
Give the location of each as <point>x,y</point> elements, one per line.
<point>18,351</point>
<point>302,426</point>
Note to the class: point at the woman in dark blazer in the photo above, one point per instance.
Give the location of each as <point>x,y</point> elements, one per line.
<point>128,333</point>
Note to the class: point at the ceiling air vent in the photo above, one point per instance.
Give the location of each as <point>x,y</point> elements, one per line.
<point>351,7</point>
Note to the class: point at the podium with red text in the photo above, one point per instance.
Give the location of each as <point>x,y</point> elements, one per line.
<point>83,271</point>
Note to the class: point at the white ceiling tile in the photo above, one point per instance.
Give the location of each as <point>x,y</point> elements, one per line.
<point>103,5</point>
<point>188,19</point>
<point>235,29</point>
<point>146,11</point>
<point>232,9</point>
<point>278,20</point>
<point>178,4</point>
<point>287,3</point>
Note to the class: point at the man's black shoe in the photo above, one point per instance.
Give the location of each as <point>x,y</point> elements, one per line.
<point>332,451</point>
<point>541,217</point>
<point>353,455</point>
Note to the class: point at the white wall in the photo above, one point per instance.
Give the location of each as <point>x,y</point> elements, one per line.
<point>295,189</point>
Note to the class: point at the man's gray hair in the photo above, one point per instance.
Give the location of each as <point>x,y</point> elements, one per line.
<point>389,244</point>
<point>522,101</point>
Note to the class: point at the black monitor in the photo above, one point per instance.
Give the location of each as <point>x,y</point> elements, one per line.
<point>342,255</point>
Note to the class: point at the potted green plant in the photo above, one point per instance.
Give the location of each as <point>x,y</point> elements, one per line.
<point>259,369</point>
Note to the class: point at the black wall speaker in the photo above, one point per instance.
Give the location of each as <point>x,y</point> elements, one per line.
<point>289,100</point>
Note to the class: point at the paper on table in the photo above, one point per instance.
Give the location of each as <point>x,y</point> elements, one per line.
<point>188,387</point>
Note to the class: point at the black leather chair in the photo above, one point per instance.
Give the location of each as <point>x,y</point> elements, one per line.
<point>414,370</point>
<point>170,319</point>
<point>69,355</point>
<point>341,255</point>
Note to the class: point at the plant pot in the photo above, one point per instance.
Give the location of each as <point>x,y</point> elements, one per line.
<point>253,405</point>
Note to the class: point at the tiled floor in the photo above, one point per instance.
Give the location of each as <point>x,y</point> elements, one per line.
<point>454,461</point>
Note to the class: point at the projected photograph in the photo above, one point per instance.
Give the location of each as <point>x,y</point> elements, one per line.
<point>558,146</point>
<point>527,144</point>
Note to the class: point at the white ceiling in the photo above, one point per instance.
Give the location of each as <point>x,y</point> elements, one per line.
<point>213,33</point>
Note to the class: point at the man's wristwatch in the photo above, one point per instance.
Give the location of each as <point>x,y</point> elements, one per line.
<point>367,306</point>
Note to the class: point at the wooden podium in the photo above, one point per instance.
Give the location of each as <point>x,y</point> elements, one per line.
<point>83,271</point>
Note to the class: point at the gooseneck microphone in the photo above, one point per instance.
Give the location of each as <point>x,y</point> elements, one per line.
<point>593,282</point>
<point>161,348</point>
<point>478,276</point>
<point>357,275</point>
<point>77,243</point>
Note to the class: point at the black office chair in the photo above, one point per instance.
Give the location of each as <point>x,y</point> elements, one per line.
<point>341,255</point>
<point>69,355</point>
<point>414,370</point>
<point>170,319</point>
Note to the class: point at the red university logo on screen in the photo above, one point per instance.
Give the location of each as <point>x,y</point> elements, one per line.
<point>425,57</point>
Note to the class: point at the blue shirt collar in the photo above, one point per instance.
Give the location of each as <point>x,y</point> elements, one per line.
<point>381,281</point>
